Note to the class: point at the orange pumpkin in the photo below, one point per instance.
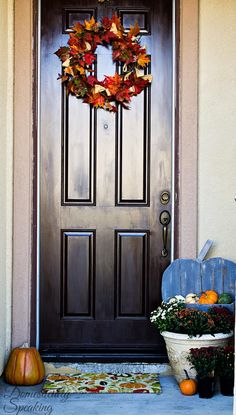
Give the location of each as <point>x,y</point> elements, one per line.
<point>188,386</point>
<point>24,367</point>
<point>208,297</point>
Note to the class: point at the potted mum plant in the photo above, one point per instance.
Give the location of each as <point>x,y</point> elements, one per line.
<point>204,361</point>
<point>225,370</point>
<point>185,328</point>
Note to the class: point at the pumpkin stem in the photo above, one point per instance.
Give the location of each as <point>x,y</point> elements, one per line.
<point>186,373</point>
<point>25,345</point>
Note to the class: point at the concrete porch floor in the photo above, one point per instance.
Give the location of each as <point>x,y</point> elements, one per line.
<point>29,400</point>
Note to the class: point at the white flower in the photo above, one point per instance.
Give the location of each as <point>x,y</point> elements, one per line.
<point>172,300</point>
<point>180,298</point>
<point>176,299</point>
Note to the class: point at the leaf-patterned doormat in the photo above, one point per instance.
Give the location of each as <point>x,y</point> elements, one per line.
<point>102,383</point>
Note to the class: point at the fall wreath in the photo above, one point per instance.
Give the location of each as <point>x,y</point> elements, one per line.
<point>78,63</point>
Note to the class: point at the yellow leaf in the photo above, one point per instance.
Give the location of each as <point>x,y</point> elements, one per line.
<point>88,46</point>
<point>80,69</point>
<point>134,30</point>
<point>143,60</point>
<point>99,88</point>
<point>127,75</point>
<point>89,24</point>
<point>114,29</point>
<point>132,89</point>
<point>69,70</point>
<point>66,63</point>
<point>139,73</point>
<point>147,78</point>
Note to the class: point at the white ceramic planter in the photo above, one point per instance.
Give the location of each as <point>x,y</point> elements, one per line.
<point>178,346</point>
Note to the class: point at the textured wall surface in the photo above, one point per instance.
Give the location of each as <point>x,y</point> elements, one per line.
<point>23,167</point>
<point>188,128</point>
<point>6,163</point>
<point>217,126</point>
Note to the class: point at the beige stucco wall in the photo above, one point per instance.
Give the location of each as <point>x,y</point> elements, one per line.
<point>6,173</point>
<point>23,173</point>
<point>188,128</point>
<point>217,126</point>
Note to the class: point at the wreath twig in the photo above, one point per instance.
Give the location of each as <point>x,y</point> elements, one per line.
<point>79,56</point>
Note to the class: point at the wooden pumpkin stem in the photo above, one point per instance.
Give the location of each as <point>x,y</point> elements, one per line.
<point>25,346</point>
<point>186,373</point>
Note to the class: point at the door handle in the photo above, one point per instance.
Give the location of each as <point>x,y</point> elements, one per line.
<point>164,220</point>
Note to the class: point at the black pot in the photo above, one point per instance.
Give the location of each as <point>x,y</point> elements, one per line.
<point>206,387</point>
<point>227,386</point>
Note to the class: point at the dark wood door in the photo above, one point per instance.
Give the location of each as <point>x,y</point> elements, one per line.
<point>101,179</point>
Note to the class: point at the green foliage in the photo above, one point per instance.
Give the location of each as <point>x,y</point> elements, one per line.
<point>173,316</point>
<point>225,361</point>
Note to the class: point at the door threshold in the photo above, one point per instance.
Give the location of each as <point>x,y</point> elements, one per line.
<point>112,357</point>
<point>163,369</point>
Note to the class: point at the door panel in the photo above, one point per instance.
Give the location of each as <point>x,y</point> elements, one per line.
<point>101,179</point>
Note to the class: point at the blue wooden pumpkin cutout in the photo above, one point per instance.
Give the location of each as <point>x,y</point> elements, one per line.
<point>185,276</point>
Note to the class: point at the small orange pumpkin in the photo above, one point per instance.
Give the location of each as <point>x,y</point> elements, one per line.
<point>208,297</point>
<point>188,386</point>
<point>24,367</point>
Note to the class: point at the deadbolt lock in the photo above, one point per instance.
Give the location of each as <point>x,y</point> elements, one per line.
<point>165,197</point>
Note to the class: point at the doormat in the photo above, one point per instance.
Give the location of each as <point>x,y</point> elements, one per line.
<point>102,383</point>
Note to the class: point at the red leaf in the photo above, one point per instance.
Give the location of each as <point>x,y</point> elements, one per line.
<point>89,58</point>
<point>106,23</point>
<point>97,40</point>
<point>63,53</point>
<point>123,95</point>
<point>91,80</point>
<point>107,37</point>
<point>73,40</point>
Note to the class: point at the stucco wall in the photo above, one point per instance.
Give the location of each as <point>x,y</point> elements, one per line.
<point>23,173</point>
<point>6,163</point>
<point>217,126</point>
<point>188,128</point>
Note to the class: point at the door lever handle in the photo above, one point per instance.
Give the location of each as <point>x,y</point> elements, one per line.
<point>164,220</point>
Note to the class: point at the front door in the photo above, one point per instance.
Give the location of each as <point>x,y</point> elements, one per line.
<point>102,176</point>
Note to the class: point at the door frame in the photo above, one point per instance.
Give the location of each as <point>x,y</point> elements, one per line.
<point>25,200</point>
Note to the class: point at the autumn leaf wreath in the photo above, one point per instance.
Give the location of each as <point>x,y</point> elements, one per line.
<point>78,60</point>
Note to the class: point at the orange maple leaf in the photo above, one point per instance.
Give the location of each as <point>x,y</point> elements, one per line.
<point>97,100</point>
<point>80,69</point>
<point>143,60</point>
<point>90,24</point>
<point>134,30</point>
<point>78,27</point>
<point>113,83</point>
<point>69,70</point>
<point>115,19</point>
